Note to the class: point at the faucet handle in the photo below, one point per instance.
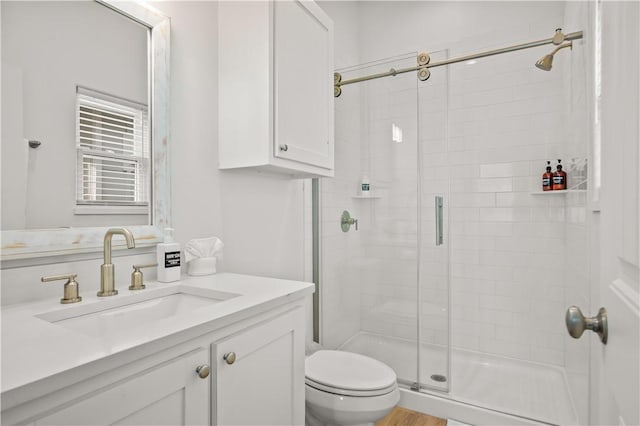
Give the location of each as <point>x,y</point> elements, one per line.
<point>136,276</point>
<point>71,287</point>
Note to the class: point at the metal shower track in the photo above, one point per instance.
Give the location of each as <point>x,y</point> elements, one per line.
<point>424,65</point>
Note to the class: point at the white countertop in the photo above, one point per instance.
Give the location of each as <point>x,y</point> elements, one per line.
<point>34,349</point>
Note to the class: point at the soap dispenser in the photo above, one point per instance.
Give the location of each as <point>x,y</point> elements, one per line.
<point>547,178</point>
<point>559,177</point>
<point>365,186</point>
<point>168,257</point>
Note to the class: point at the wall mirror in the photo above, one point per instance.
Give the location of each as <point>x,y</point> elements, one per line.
<point>85,125</point>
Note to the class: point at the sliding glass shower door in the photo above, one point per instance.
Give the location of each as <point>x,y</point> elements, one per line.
<point>434,181</point>
<point>384,285</point>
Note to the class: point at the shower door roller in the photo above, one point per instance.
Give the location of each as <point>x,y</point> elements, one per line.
<point>577,323</point>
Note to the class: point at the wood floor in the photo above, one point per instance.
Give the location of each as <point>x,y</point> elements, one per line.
<point>403,417</point>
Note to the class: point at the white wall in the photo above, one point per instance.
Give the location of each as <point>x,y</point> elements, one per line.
<point>259,217</point>
<point>49,48</point>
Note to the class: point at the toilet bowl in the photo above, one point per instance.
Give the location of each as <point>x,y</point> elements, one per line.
<point>344,388</point>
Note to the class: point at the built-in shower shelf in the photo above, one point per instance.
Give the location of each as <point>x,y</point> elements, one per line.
<point>558,192</point>
<point>366,196</point>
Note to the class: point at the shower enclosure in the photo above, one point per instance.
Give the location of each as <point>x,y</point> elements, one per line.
<point>460,270</point>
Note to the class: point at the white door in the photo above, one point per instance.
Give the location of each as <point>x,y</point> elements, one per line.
<point>615,375</point>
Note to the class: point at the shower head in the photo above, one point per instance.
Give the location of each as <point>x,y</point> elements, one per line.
<point>547,61</point>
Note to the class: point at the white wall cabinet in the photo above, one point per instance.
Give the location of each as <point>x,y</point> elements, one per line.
<point>275,79</point>
<point>263,385</point>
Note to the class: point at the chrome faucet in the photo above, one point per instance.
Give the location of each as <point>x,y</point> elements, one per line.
<point>107,284</point>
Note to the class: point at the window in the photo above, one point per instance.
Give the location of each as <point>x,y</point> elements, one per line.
<point>113,153</point>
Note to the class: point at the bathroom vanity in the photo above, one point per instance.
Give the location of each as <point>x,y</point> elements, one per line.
<point>221,349</point>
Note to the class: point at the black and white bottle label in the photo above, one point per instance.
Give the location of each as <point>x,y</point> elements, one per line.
<point>171,259</point>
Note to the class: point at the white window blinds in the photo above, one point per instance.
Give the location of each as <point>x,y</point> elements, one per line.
<point>113,149</point>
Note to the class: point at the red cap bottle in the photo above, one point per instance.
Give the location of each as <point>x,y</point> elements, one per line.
<point>559,178</point>
<point>547,178</point>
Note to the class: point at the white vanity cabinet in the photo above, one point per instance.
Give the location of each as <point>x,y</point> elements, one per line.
<point>260,374</point>
<point>275,79</point>
<point>246,370</point>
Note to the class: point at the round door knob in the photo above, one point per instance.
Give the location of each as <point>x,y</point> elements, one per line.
<point>203,371</point>
<point>577,323</point>
<point>229,357</point>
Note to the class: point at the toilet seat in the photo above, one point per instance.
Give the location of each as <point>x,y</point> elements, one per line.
<point>347,373</point>
<point>349,392</point>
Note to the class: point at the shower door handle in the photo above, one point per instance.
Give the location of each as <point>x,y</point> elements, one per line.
<point>439,225</point>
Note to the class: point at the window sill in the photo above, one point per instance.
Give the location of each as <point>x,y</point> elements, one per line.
<point>95,210</point>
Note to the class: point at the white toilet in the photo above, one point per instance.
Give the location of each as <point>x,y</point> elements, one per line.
<point>344,388</point>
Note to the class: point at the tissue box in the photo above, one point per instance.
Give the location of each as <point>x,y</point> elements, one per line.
<point>202,266</point>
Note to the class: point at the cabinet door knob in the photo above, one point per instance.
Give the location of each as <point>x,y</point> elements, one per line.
<point>203,371</point>
<point>284,147</point>
<point>229,357</point>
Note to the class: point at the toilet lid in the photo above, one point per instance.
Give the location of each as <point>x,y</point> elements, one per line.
<point>347,371</point>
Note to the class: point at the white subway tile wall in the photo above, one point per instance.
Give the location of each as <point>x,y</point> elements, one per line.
<point>507,247</point>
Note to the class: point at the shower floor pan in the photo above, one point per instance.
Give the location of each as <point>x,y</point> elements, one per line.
<point>520,388</point>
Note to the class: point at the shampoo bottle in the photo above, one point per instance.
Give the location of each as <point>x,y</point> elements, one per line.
<point>559,177</point>
<point>547,178</point>
<point>168,257</point>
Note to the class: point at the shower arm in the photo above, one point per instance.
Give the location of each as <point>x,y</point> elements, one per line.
<point>562,46</point>
<point>338,82</point>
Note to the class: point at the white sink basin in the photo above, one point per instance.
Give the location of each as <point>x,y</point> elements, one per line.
<point>125,313</point>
